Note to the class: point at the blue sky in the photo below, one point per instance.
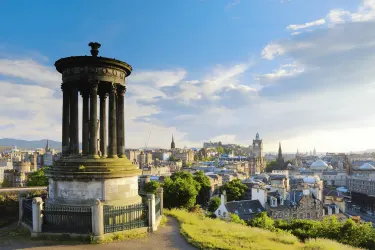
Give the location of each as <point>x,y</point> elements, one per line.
<point>295,71</point>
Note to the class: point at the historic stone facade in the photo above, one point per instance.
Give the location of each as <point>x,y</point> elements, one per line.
<point>257,162</point>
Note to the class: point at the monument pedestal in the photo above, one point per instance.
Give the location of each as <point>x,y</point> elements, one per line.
<point>83,180</point>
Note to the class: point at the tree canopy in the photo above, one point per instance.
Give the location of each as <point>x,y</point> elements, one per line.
<point>214,204</point>
<point>37,178</point>
<point>180,190</point>
<point>205,187</point>
<point>234,189</point>
<point>151,187</point>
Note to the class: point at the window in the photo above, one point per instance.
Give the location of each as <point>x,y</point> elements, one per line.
<point>219,212</point>
<point>225,214</point>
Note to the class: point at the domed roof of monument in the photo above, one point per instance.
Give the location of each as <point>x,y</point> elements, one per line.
<point>367,166</point>
<point>319,164</point>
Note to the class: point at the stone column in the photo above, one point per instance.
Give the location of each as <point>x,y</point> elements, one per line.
<point>112,123</point>
<point>94,120</point>
<point>37,214</point>
<point>74,141</point>
<point>97,219</point>
<point>120,122</point>
<point>85,122</point>
<point>65,120</point>
<point>159,193</point>
<point>151,212</point>
<point>103,124</point>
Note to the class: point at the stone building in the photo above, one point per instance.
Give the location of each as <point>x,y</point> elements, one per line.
<point>257,161</point>
<point>17,176</point>
<point>362,189</point>
<point>185,155</point>
<point>297,205</point>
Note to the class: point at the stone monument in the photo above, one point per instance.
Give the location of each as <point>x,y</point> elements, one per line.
<point>80,178</point>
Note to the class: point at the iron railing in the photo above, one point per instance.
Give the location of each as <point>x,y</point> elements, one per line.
<point>157,207</point>
<point>67,219</point>
<point>119,218</point>
<point>27,213</point>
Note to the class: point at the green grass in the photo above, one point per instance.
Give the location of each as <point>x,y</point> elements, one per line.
<point>164,220</point>
<point>123,236</point>
<point>207,233</point>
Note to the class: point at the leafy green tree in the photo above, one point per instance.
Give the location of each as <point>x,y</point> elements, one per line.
<point>180,190</point>
<point>262,221</point>
<point>234,189</point>
<point>214,204</point>
<point>272,165</point>
<point>172,158</point>
<point>151,187</point>
<point>236,219</point>
<point>5,183</point>
<point>220,150</point>
<point>205,187</point>
<point>37,178</point>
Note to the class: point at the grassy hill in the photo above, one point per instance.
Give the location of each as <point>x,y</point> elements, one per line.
<point>206,233</point>
<point>10,143</point>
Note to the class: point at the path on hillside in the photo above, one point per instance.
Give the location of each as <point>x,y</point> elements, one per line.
<point>167,237</point>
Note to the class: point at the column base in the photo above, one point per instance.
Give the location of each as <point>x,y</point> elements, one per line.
<point>93,156</point>
<point>104,156</point>
<point>122,156</point>
<point>113,156</point>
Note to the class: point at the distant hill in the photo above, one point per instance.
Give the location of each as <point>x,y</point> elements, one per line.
<point>8,142</point>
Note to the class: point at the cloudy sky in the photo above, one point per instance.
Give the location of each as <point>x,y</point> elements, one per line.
<point>300,71</point>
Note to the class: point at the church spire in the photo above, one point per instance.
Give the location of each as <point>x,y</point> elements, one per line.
<point>280,152</point>
<point>47,147</point>
<point>280,158</point>
<point>173,145</point>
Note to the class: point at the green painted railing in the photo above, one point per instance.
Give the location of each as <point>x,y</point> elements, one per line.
<point>27,213</point>
<point>67,219</point>
<point>119,218</point>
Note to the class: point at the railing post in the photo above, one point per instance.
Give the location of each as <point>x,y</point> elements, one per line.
<point>97,218</point>
<point>159,192</point>
<point>37,214</point>
<point>151,212</point>
<point>20,206</point>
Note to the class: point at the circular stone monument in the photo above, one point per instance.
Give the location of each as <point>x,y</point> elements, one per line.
<point>101,170</point>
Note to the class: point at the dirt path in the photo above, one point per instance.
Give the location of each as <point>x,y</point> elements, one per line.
<point>167,237</point>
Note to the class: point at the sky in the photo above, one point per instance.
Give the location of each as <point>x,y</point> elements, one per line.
<point>299,72</point>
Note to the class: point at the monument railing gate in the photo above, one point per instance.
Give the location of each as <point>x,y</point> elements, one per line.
<point>119,218</point>
<point>27,212</point>
<point>64,219</point>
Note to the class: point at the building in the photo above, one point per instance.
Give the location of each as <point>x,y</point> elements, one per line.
<point>280,158</point>
<point>298,204</point>
<point>334,197</point>
<point>245,209</point>
<point>362,189</point>
<point>173,145</point>
<point>17,176</point>
<point>216,181</point>
<point>257,161</point>
<point>334,177</point>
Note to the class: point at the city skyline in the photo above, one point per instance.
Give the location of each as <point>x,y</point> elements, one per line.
<point>234,68</point>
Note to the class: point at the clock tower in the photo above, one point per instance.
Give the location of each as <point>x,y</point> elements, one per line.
<point>258,147</point>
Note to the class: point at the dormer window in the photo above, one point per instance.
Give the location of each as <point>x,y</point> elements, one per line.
<point>250,210</point>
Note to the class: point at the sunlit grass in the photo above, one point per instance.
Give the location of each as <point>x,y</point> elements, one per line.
<point>207,233</point>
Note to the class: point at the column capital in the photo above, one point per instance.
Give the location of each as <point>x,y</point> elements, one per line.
<point>65,86</point>
<point>121,90</point>
<point>84,92</point>
<point>103,95</point>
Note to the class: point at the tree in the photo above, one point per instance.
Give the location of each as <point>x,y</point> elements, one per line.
<point>205,187</point>
<point>5,183</point>
<point>263,221</point>
<point>234,189</point>
<point>272,165</point>
<point>151,187</point>
<point>220,150</point>
<point>214,204</point>
<point>180,190</point>
<point>172,158</point>
<point>37,178</point>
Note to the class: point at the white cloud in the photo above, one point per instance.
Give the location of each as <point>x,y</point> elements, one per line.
<point>271,50</point>
<point>31,71</point>
<point>285,70</point>
<point>306,25</point>
<point>160,78</point>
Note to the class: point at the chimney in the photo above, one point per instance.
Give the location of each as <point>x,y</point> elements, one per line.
<point>224,197</point>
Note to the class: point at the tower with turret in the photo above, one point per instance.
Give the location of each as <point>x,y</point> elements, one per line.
<point>257,146</point>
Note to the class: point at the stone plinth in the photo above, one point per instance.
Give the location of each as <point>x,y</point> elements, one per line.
<point>81,180</point>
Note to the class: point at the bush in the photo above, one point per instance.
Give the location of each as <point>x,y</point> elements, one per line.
<point>214,204</point>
